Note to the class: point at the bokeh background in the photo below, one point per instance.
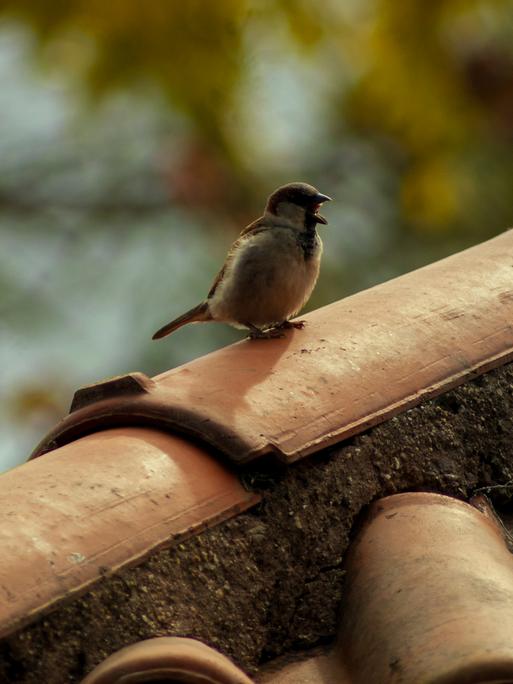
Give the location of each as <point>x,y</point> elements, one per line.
<point>137,138</point>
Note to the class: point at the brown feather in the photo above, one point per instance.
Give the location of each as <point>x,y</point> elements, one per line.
<point>197,313</point>
<point>253,228</point>
<point>218,278</point>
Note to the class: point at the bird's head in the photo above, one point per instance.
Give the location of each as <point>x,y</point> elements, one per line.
<point>298,203</point>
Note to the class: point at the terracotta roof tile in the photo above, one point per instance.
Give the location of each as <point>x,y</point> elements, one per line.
<point>167,659</point>
<point>101,502</point>
<point>429,594</point>
<point>357,362</point>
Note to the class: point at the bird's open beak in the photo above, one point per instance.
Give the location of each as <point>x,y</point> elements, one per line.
<point>320,199</point>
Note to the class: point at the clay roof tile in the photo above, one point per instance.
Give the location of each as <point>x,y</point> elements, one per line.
<point>358,362</point>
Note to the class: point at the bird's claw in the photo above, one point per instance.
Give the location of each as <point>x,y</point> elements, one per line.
<point>274,332</point>
<point>298,325</point>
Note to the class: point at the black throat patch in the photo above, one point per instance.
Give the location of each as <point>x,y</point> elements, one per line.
<point>307,239</point>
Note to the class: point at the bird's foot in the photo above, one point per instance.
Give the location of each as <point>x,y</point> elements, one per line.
<point>285,325</point>
<point>257,334</point>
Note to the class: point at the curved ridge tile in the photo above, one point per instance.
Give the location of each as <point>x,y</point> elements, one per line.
<point>358,362</point>
<point>167,659</point>
<point>429,595</point>
<point>102,502</point>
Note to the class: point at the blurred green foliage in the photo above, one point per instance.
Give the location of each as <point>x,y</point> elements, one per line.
<point>434,77</point>
<point>437,78</point>
<point>137,138</point>
<point>192,49</point>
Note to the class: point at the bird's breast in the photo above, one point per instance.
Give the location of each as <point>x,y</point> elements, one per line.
<point>269,278</point>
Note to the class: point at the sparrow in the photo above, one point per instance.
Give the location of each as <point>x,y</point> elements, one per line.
<point>270,270</point>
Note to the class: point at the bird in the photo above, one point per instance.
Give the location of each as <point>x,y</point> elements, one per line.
<point>270,271</point>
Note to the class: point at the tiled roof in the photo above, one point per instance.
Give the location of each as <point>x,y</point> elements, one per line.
<point>358,362</point>
<point>112,484</point>
<point>429,598</point>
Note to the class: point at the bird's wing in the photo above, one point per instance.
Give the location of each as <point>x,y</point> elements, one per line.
<point>246,233</point>
<point>218,279</point>
<point>255,227</point>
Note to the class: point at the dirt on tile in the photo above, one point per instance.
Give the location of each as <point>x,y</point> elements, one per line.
<point>269,582</point>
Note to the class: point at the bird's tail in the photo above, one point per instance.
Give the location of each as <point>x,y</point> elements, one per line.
<point>197,313</point>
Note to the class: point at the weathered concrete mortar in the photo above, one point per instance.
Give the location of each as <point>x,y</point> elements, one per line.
<point>269,582</point>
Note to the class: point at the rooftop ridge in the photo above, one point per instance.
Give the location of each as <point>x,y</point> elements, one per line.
<point>359,361</point>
